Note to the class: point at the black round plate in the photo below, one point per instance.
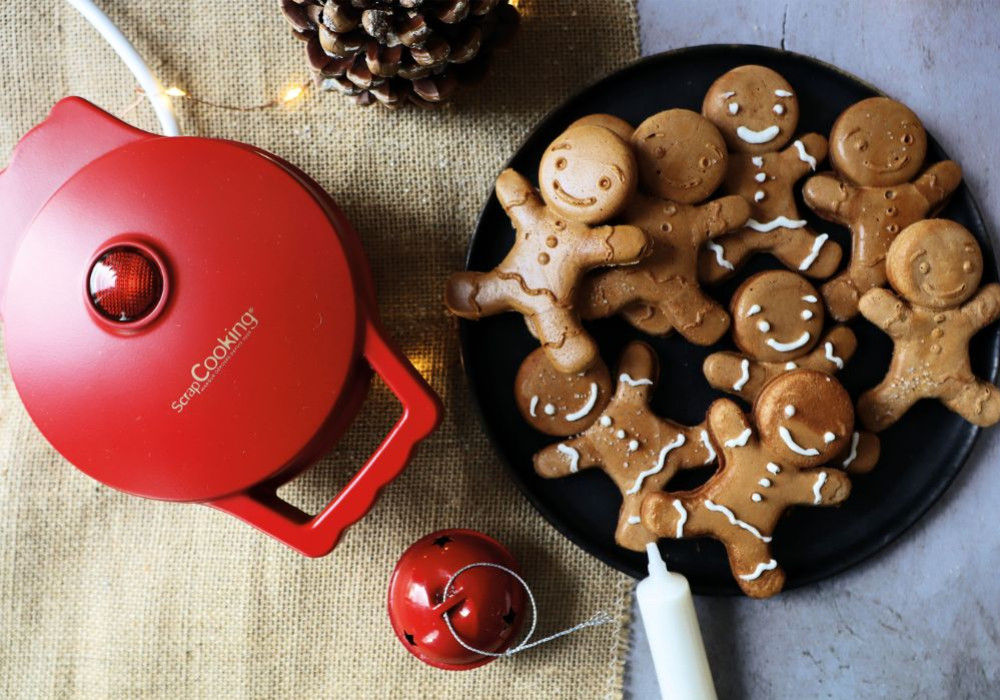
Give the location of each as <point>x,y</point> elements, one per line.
<point>921,454</point>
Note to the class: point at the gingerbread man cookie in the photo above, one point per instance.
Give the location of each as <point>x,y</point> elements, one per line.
<point>778,327</point>
<point>800,421</point>
<point>586,176</point>
<point>757,113</point>
<point>877,147</point>
<point>682,160</point>
<point>935,266</point>
<point>560,404</point>
<point>616,125</point>
<point>640,451</point>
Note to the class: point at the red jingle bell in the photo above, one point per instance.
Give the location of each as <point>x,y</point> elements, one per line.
<point>485,605</point>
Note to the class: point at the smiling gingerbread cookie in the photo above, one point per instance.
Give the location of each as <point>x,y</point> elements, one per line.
<point>560,404</point>
<point>801,420</point>
<point>682,160</point>
<point>935,266</point>
<point>586,176</point>
<point>877,147</point>
<point>757,112</point>
<point>640,451</point>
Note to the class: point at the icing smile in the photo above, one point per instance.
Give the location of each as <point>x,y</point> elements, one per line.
<point>762,136</point>
<point>793,345</point>
<point>891,168</point>
<point>795,447</point>
<point>570,199</point>
<point>682,185</point>
<point>945,295</point>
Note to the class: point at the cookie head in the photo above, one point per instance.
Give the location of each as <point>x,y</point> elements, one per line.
<point>560,404</point>
<point>805,418</point>
<point>682,156</point>
<point>935,263</point>
<point>587,174</point>
<point>878,142</point>
<point>755,109</point>
<point>777,316</point>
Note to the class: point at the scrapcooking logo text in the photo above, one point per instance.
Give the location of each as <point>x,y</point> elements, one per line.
<point>206,370</point>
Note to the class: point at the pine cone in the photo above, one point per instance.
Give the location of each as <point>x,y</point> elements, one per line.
<point>399,51</point>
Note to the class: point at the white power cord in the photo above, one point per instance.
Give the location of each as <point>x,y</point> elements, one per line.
<point>150,85</point>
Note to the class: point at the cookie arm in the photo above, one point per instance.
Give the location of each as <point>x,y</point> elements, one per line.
<point>729,427</point>
<point>862,453</point>
<point>805,154</point>
<point>833,352</point>
<point>984,308</point>
<point>822,486</point>
<point>736,374</point>
<point>828,197</point>
<point>567,457</point>
<point>886,310</point>
<point>638,372</point>
<point>613,245</point>
<point>939,182</point>
<point>723,215</point>
<point>518,198</point>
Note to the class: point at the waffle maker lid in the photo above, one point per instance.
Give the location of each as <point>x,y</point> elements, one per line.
<point>246,356</point>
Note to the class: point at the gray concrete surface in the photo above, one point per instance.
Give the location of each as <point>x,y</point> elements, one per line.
<point>921,620</point>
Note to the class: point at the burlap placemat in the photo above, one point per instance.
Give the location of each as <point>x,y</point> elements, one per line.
<point>105,595</point>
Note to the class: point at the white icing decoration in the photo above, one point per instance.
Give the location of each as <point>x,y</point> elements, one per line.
<point>828,348</point>
<point>587,407</point>
<point>780,222</point>
<point>549,409</point>
<point>633,445</point>
<point>766,483</point>
<point>763,326</point>
<point>744,376</point>
<point>810,298</point>
<point>814,253</point>
<point>760,177</point>
<point>820,480</point>
<point>734,107</point>
<point>755,309</point>
<point>708,446</point>
<point>761,568</point>
<point>762,136</point>
<point>634,520</point>
<point>804,155</point>
<point>791,365</point>
<point>533,406</point>
<point>786,437</point>
<point>756,497</point>
<point>729,93</point>
<point>854,450</point>
<point>792,345</point>
<point>829,437</point>
<point>620,434</point>
<point>658,467</point>
<point>679,507</point>
<point>783,93</point>
<point>759,195</point>
<point>740,440</point>
<point>779,109</point>
<point>735,521</point>
<point>789,411</point>
<point>806,314</point>
<point>605,421</point>
<point>623,377</point>
<point>758,161</point>
<point>720,259</point>
<point>773,468</point>
<point>574,457</point>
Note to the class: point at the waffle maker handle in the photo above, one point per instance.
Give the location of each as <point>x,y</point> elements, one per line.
<point>316,536</point>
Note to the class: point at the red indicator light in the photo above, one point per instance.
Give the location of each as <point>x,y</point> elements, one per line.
<point>125,284</point>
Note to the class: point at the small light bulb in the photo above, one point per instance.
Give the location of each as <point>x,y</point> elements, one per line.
<point>292,93</point>
<point>175,92</point>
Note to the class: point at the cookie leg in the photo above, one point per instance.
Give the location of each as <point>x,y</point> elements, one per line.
<point>648,319</point>
<point>631,534</point>
<point>695,316</point>
<point>841,296</point>
<point>605,294</point>
<point>807,253</point>
<point>722,256</point>
<point>976,401</point>
<point>568,346</point>
<point>477,294</point>
<point>757,572</point>
<point>880,407</point>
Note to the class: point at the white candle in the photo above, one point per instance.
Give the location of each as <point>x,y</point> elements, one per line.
<point>674,636</point>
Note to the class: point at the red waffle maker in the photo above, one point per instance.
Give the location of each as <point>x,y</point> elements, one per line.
<point>191,319</point>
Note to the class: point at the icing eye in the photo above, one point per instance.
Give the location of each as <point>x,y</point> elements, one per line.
<point>967,266</point>
<point>779,109</point>
<point>734,107</point>
<point>807,314</point>
<point>924,267</point>
<point>604,183</point>
<point>907,139</point>
<point>704,162</point>
<point>560,163</point>
<point>764,326</point>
